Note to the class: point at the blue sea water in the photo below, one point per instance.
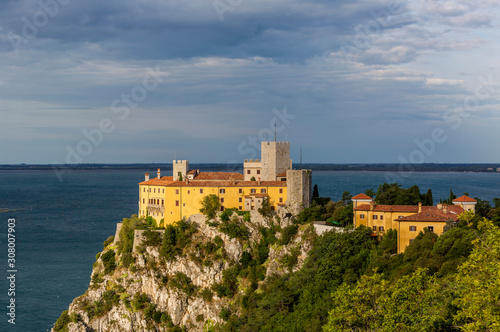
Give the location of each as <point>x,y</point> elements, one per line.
<point>62,226</point>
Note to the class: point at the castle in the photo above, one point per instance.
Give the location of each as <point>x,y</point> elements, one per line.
<point>171,198</point>
<point>408,220</point>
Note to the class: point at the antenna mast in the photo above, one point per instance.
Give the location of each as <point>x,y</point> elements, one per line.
<point>300,157</point>
<point>275,131</point>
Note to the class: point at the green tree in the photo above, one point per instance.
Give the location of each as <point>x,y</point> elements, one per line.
<point>428,201</point>
<point>315,191</point>
<point>210,205</point>
<point>411,304</point>
<point>478,281</point>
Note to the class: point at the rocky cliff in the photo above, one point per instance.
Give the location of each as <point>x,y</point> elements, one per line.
<point>189,277</point>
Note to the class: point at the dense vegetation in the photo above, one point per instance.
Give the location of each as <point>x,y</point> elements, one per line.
<point>354,282</point>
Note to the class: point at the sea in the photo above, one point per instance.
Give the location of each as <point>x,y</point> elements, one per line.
<point>60,226</point>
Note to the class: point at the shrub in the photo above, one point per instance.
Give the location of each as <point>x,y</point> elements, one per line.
<point>183,283</point>
<point>234,229</point>
<point>127,259</point>
<point>218,241</point>
<point>225,313</point>
<point>288,233</point>
<point>62,322</point>
<point>108,259</point>
<point>210,205</point>
<point>207,295</point>
<point>140,301</point>
<point>151,238</point>
<point>108,241</point>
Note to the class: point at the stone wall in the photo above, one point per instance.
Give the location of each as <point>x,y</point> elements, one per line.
<point>181,166</point>
<point>299,189</point>
<point>275,159</point>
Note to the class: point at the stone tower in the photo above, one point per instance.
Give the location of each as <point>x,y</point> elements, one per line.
<point>275,159</point>
<point>299,189</point>
<point>180,169</point>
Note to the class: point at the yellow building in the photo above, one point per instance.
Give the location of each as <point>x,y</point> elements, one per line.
<point>172,198</point>
<point>408,220</point>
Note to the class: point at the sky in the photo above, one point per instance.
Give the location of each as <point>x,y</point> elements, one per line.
<point>347,81</point>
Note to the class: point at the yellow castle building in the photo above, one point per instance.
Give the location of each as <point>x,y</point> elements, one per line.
<point>171,198</point>
<point>408,220</point>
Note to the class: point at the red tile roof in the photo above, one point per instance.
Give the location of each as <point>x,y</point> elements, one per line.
<point>282,174</point>
<point>390,208</point>
<point>361,196</point>
<point>219,176</point>
<point>158,182</point>
<point>465,199</point>
<point>193,171</point>
<point>434,214</point>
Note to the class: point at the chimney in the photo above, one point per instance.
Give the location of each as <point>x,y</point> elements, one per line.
<point>372,205</point>
<point>187,180</point>
<point>258,181</point>
<point>159,174</point>
<point>439,206</point>
<point>419,207</point>
<point>445,208</point>
<point>146,177</point>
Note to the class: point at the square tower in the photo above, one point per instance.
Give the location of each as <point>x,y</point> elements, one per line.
<point>275,159</point>
<point>180,169</point>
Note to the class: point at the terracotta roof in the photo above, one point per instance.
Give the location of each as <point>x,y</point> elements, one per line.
<point>193,171</point>
<point>465,199</point>
<point>390,208</point>
<point>361,196</point>
<point>219,176</point>
<point>203,183</point>
<point>282,174</point>
<point>433,214</point>
<point>158,182</point>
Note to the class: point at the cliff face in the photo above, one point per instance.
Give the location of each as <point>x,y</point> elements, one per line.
<point>193,282</point>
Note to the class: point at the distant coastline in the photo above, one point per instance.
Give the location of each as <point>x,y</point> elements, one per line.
<point>381,167</point>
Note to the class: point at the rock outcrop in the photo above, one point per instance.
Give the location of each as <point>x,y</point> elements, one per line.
<point>152,293</point>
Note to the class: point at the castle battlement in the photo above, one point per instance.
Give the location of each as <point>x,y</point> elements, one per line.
<point>180,162</point>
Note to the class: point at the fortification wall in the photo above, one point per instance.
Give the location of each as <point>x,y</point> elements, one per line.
<point>180,166</point>
<point>299,189</point>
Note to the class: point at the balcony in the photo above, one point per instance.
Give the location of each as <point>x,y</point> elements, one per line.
<point>156,208</point>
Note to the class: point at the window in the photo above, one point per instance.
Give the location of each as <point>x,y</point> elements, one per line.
<point>272,208</point>
<point>240,208</point>
<point>143,200</point>
<point>258,171</point>
<point>201,191</point>
<point>154,190</point>
<point>253,191</point>
<point>176,203</point>
<point>381,228</point>
<point>375,217</point>
<point>163,191</point>
<point>361,216</point>
<point>162,202</point>
<point>240,191</point>
<point>430,228</point>
<point>143,190</point>
<point>374,228</point>
<point>281,190</point>
<point>248,171</point>
<point>240,200</point>
<point>222,191</point>
<point>222,208</point>
<point>281,199</point>
<point>263,191</point>
<point>177,191</point>
<point>413,228</point>
<point>189,192</point>
<point>222,200</point>
<point>381,217</point>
